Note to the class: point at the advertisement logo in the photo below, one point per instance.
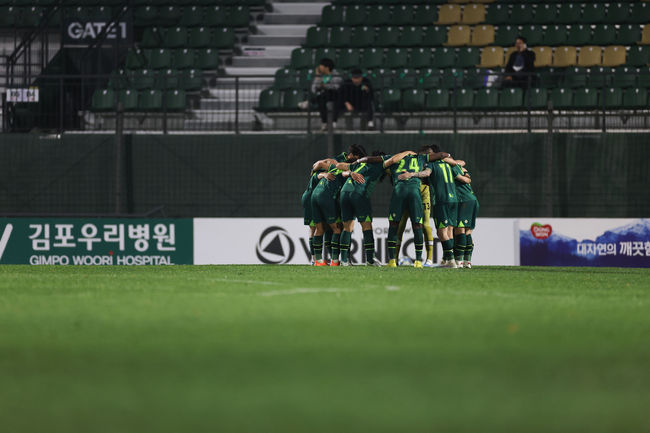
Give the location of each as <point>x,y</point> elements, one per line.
<point>5,238</point>
<point>275,246</point>
<point>540,231</point>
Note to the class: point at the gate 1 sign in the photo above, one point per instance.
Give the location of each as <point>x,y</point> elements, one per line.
<point>59,241</point>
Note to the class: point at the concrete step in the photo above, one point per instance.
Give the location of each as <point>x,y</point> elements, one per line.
<point>282,29</point>
<point>254,71</point>
<point>310,8</point>
<point>273,18</point>
<point>266,40</point>
<point>270,51</point>
<point>259,61</point>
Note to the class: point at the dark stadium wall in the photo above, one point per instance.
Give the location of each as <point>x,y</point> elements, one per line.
<point>262,175</point>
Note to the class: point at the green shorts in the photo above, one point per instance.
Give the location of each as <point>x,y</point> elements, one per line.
<point>356,205</point>
<point>445,214</point>
<point>406,198</point>
<point>325,209</point>
<point>467,211</point>
<point>306,207</point>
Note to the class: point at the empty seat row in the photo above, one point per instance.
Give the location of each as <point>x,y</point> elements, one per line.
<point>576,34</point>
<point>561,57</point>
<point>213,16</point>
<point>333,15</point>
<point>181,58</point>
<point>141,79</point>
<point>569,13</point>
<point>105,100</point>
<point>192,37</point>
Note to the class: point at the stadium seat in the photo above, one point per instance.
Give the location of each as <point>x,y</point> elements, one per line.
<point>413,100</point>
<point>443,57</point>
<point>285,79</point>
<point>635,98</point>
<point>175,100</point>
<point>372,58</point>
<point>639,56</point>
<point>363,37</point>
<point>215,16</point>
<point>396,58</point>
<point>167,79</point>
<point>150,100</point>
<point>332,15</point>
<point>437,99</point>
<point>305,78</point>
<point>239,16</point>
<point>639,13</point>
<point>459,36</point>
<point>321,53</point>
<point>355,15</point>
<point>404,79</point>
<point>378,16</point>
<point>451,78</point>
<point>192,16</point>
<point>482,35</point>
<point>207,58</point>
<point>604,34</point>
<point>136,59</point>
<point>486,99</point>
<point>506,35</point>
<point>626,76</point>
<point>223,38</point>
<point>428,79</point>
<point>463,99</point>
<point>474,78</point>
<point>545,13</point>
<point>543,56</point>
<point>628,34</point>
<point>497,14</point>
<point>175,37</point>
<point>129,99</point>
<point>169,15</point>
<point>534,35</point>
<point>521,14</point>
<point>152,37</point>
<point>590,56</point>
<point>576,77</point>
<point>511,99</point>
<point>593,13</point>
<point>568,13</point>
<point>617,13</point>
<point>191,80</point>
<point>103,100</point>
<point>562,98</point>
<point>473,14</point>
<point>425,15</point>
<point>449,14</point>
<point>411,37</point>
<point>645,35</point>
<point>390,100</point>
<point>160,59</point>
<point>564,57</point>
<point>143,79</point>
<point>600,77</point>
<point>302,58</point>
<point>468,57</point>
<point>403,16</point>
<point>270,100</point>
<point>434,36</point>
<point>199,37</point>
<point>550,77</point>
<point>555,35</point>
<point>340,36</point>
<point>614,55</point>
<point>317,37</point>
<point>612,97</point>
<point>579,34</point>
<point>387,36</point>
<point>585,98</point>
<point>145,15</point>
<point>536,98</point>
<point>492,57</point>
<point>291,98</point>
<point>420,58</point>
<point>348,59</point>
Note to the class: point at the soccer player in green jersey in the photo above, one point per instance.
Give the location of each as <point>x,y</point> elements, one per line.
<point>467,211</point>
<point>325,206</point>
<point>445,208</point>
<point>355,202</point>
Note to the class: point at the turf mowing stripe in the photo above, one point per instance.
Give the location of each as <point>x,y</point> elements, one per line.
<point>301,291</point>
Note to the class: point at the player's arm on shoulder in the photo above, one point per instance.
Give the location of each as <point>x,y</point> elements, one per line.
<point>451,161</point>
<point>323,164</point>
<point>343,166</point>
<point>438,156</point>
<point>397,158</point>
<point>326,175</point>
<point>369,159</point>
<point>421,174</point>
<point>464,178</point>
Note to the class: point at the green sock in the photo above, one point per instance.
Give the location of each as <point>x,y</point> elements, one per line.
<point>448,249</point>
<point>459,246</point>
<point>391,241</point>
<point>318,247</point>
<point>418,239</point>
<point>469,248</point>
<point>311,246</point>
<point>327,242</point>
<point>344,242</point>
<point>369,245</point>
<point>336,246</point>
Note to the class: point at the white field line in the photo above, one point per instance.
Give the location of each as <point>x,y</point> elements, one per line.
<point>229,280</point>
<point>392,288</point>
<point>301,291</point>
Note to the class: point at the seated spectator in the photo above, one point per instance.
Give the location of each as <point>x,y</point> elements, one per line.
<point>520,68</point>
<point>324,89</point>
<point>356,96</point>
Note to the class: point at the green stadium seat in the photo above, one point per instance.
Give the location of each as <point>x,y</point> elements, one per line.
<point>129,99</point>
<point>285,79</point>
<point>443,57</point>
<point>420,58</point>
<point>145,15</point>
<point>437,99</point>
<point>207,59</point>
<point>119,80</point>
<point>635,98</point>
<point>305,78</point>
<point>521,14</point>
<point>302,58</point>
<point>546,13</point>
<point>498,13</point>
<point>151,37</point>
<point>600,77</point>
<point>340,36</point>
<point>183,58</point>
<point>396,58</point>
<point>639,13</point>
<point>486,99</point>
<point>550,78</point>
<point>413,100</point>
<point>625,77</point>
<point>191,80</point>
<point>585,98</point>
<point>381,78</point>
<point>223,38</point>
<point>332,15</point>
<point>388,36</point>
<point>604,34</point>
<point>160,58</point>
<point>390,100</point>
<point>143,79</point>
<point>643,80</point>
<point>355,15</point>
<point>425,15</point>
<point>9,16</point>
<point>534,35</point>
<point>613,97</point>
<point>317,37</point>
<point>411,37</point>
<point>403,16</point>
<point>434,36</point>
<point>451,78</point>
<point>372,58</point>
<point>628,34</point>
<point>536,98</point>
<point>363,37</point>
<point>348,58</point>
<point>30,16</point>
<point>136,59</point>
<point>215,16</point>
<point>568,13</point>
<point>555,35</point>
<point>617,13</point>
<point>593,13</point>
<point>468,57</point>
<point>270,100</point>
<point>462,99</point>
<point>505,36</point>
<point>404,79</point>
<point>322,53</point>
<point>199,37</point>
<point>474,78</point>
<point>579,34</point>
<point>239,16</point>
<point>428,79</point>
<point>103,100</point>
<point>169,15</point>
<point>192,16</point>
<point>175,100</point>
<point>511,99</point>
<point>175,37</point>
<point>291,98</point>
<point>562,98</point>
<point>378,16</point>
<point>168,79</point>
<point>639,56</point>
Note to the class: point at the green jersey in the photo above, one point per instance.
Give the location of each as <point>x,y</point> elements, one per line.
<point>464,190</point>
<point>442,182</point>
<point>370,171</point>
<point>333,187</point>
<point>313,179</point>
<point>410,164</point>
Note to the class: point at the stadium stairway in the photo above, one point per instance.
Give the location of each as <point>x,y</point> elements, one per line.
<point>267,48</point>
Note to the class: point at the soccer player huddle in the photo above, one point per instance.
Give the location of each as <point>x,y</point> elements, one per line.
<point>339,191</point>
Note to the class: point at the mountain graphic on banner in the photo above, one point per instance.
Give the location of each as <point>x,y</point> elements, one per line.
<point>275,246</point>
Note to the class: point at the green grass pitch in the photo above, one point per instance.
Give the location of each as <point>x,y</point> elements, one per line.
<point>319,350</point>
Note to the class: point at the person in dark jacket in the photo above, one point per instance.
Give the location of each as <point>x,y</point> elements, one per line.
<point>520,68</point>
<point>356,96</point>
